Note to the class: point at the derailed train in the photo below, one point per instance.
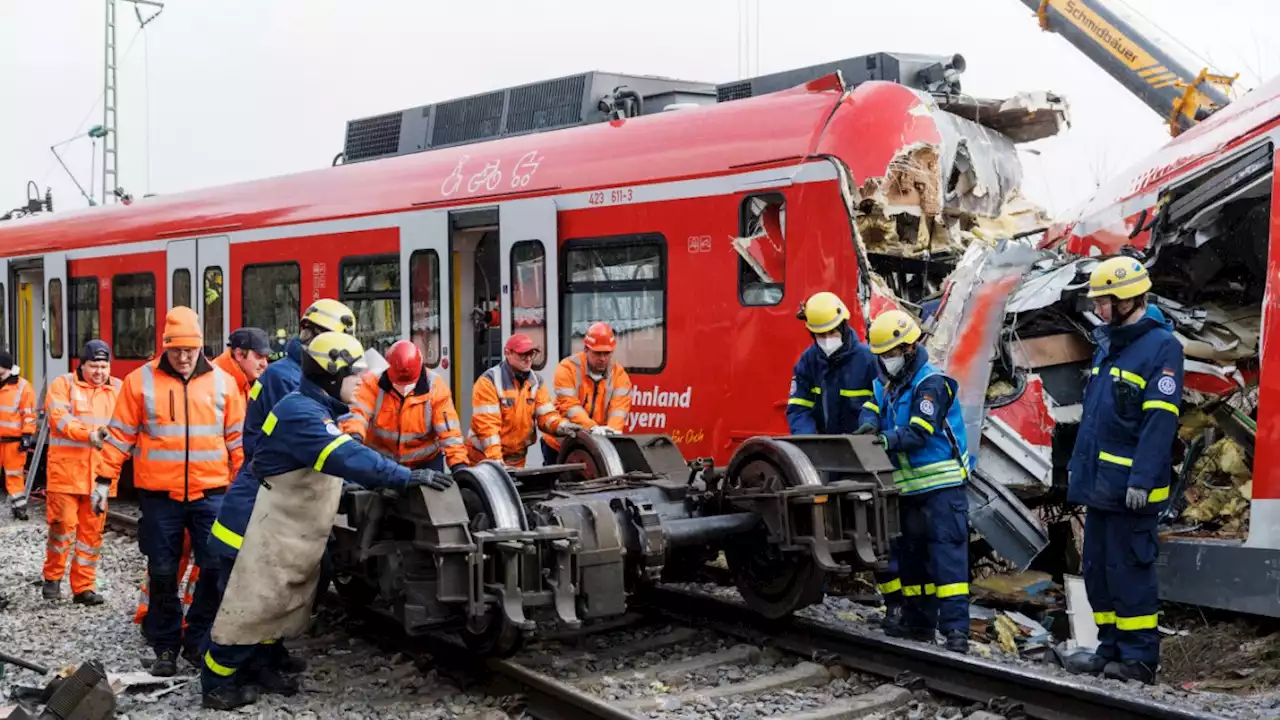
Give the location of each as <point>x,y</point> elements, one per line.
<point>504,549</point>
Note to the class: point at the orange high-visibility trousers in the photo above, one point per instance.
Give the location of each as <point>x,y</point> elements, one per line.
<point>14,462</point>
<point>187,587</point>
<point>71,519</point>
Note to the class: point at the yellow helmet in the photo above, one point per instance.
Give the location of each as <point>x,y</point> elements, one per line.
<point>1121,277</point>
<point>337,353</point>
<point>331,315</point>
<point>823,312</point>
<point>891,329</point>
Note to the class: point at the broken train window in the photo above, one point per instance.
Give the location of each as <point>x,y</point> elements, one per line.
<point>761,247</point>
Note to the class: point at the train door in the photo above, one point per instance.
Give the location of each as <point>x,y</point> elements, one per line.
<point>25,329</point>
<point>527,258</point>
<point>56,359</point>
<point>425,293</point>
<point>476,332</point>
<point>198,280</point>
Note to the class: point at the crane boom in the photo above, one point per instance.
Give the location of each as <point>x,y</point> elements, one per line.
<point>1181,97</point>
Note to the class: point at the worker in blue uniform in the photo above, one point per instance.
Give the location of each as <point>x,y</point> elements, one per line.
<point>829,384</point>
<point>301,463</point>
<point>1121,467</point>
<point>918,422</point>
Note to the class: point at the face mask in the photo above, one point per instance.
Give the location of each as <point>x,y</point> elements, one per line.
<point>894,365</point>
<point>830,345</point>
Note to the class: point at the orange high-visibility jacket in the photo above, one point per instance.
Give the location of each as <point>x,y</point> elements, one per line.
<point>77,408</point>
<point>505,417</point>
<point>588,402</point>
<point>186,436</point>
<point>413,430</point>
<point>17,407</point>
<point>229,365</point>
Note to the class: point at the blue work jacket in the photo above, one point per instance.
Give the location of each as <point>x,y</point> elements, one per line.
<point>301,432</point>
<point>827,393</point>
<point>1131,409</point>
<point>923,428</point>
<point>279,379</point>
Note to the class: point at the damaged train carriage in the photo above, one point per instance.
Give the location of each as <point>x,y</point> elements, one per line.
<point>1198,214</point>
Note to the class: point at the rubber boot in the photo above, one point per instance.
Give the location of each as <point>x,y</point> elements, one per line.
<point>958,641</point>
<point>228,697</point>
<point>1085,663</point>
<point>1130,670</point>
<point>88,597</point>
<point>51,590</point>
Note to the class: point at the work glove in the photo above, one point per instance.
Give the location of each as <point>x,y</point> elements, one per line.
<point>424,477</point>
<point>882,441</point>
<point>99,497</point>
<point>604,430</point>
<point>1135,498</point>
<point>98,437</point>
<point>26,443</point>
<point>568,429</point>
<point>865,429</point>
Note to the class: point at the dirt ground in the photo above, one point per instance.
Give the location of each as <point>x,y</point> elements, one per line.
<point>1238,656</point>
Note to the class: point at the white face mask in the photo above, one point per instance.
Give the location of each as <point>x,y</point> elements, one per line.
<point>830,345</point>
<point>894,364</point>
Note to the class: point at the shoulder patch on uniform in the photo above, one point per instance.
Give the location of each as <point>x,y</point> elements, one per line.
<point>332,429</point>
<point>793,386</point>
<point>1167,385</point>
<point>926,405</point>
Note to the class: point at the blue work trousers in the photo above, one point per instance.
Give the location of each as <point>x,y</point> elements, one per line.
<point>1120,551</point>
<point>160,533</point>
<point>934,559</point>
<point>889,582</point>
<point>230,664</point>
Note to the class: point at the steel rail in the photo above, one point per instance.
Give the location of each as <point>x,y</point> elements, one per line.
<point>970,678</point>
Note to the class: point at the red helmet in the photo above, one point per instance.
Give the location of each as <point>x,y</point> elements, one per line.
<point>600,338</point>
<point>404,363</point>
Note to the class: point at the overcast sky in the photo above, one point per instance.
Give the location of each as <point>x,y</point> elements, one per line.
<point>242,89</point>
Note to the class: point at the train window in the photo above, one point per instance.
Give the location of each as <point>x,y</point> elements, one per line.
<point>424,304</point>
<point>622,281</point>
<point>761,247</point>
<point>55,318</point>
<point>371,288</point>
<point>133,316</point>
<point>182,288</point>
<point>271,297</point>
<point>82,307</point>
<point>213,309</point>
<point>528,295</point>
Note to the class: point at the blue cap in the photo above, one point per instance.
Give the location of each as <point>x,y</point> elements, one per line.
<point>95,349</point>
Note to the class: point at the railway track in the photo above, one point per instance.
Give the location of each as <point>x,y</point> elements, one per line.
<point>683,654</point>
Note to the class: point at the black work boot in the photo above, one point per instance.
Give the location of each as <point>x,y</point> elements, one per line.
<point>51,590</point>
<point>1130,670</point>
<point>1085,663</point>
<point>88,597</point>
<point>273,682</point>
<point>892,620</point>
<point>192,655</point>
<point>228,697</point>
<point>958,641</point>
<point>908,632</point>
<point>20,512</point>
<point>287,663</point>
<point>166,664</point>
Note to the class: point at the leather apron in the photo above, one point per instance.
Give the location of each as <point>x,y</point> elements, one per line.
<point>270,592</point>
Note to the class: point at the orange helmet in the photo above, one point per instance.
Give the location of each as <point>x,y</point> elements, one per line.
<point>404,363</point>
<point>600,338</point>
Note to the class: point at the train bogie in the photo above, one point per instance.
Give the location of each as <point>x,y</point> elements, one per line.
<point>504,549</point>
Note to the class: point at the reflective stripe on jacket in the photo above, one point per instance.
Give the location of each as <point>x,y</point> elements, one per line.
<point>17,407</point>
<point>184,437</point>
<point>923,428</point>
<point>1131,408</point>
<point>505,418</point>
<point>588,402</point>
<point>75,409</point>
<point>827,393</point>
<point>414,430</point>
<point>229,365</point>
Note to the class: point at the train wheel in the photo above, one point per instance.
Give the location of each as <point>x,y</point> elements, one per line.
<point>596,453</point>
<point>492,502</point>
<point>771,583</point>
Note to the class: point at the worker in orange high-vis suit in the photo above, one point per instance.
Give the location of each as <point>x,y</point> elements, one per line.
<point>181,420</point>
<point>79,406</point>
<point>407,413</point>
<point>17,432</point>
<point>247,354</point>
<point>592,389</point>
<point>509,404</point>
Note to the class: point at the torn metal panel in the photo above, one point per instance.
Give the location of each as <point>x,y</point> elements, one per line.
<point>1009,526</point>
<point>1043,287</point>
<point>1025,117</point>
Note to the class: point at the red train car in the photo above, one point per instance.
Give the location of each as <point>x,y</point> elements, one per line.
<point>631,221</point>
